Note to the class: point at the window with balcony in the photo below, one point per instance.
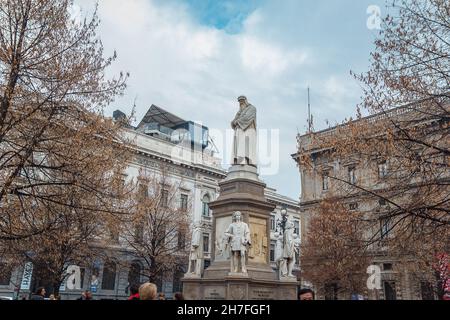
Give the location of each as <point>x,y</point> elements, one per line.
<point>352,175</point>
<point>184,202</point>
<point>139,233</point>
<point>109,276</point>
<point>325,181</point>
<point>143,191</point>
<point>272,251</point>
<point>297,227</point>
<point>382,169</point>
<point>384,228</point>
<point>390,292</point>
<point>165,198</point>
<point>181,240</point>
<point>205,206</point>
<point>272,222</point>
<point>206,242</point>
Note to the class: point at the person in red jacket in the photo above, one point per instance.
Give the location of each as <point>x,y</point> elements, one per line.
<point>134,292</point>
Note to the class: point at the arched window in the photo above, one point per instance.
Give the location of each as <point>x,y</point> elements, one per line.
<point>134,276</point>
<point>205,205</point>
<point>109,276</point>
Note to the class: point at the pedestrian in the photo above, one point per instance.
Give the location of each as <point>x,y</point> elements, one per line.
<point>147,291</point>
<point>134,292</point>
<point>161,296</point>
<point>52,297</point>
<point>306,294</point>
<point>178,296</point>
<point>39,295</point>
<point>85,295</point>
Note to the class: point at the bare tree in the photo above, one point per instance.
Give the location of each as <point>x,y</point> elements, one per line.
<point>400,151</point>
<point>158,232</point>
<point>54,140</point>
<point>334,252</point>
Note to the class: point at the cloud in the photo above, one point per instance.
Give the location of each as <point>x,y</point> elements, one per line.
<point>196,68</point>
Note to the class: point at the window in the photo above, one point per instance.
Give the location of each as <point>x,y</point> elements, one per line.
<point>114,234</point>
<point>384,228</point>
<point>184,202</point>
<point>165,198</point>
<point>353,206</point>
<point>387,266</point>
<point>143,191</point>
<point>382,169</point>
<point>272,222</point>
<point>82,274</point>
<point>206,242</point>
<point>352,175</point>
<point>331,291</point>
<point>325,181</point>
<point>389,290</point>
<point>139,233</point>
<point>426,289</point>
<point>272,251</point>
<point>181,239</point>
<point>297,227</point>
<point>5,274</point>
<point>109,276</point>
<point>176,283</point>
<point>134,276</point>
<point>205,206</point>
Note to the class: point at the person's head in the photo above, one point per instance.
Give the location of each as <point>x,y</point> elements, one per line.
<point>306,294</point>
<point>88,295</point>
<point>147,291</point>
<point>237,216</point>
<point>242,101</point>
<point>40,291</point>
<point>52,297</point>
<point>161,296</point>
<point>134,288</point>
<point>178,296</point>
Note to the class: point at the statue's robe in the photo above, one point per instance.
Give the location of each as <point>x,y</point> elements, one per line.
<point>244,143</point>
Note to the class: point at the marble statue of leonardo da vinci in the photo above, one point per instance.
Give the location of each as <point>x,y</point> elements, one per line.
<point>244,126</point>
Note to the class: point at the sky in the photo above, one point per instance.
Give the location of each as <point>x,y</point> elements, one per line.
<point>195,57</point>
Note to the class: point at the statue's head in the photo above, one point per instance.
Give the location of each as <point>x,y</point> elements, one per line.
<point>242,101</point>
<point>237,216</point>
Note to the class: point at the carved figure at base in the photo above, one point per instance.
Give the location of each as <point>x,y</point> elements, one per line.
<point>238,238</point>
<point>195,254</point>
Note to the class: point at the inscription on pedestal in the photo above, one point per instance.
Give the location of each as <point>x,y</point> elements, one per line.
<point>261,294</point>
<point>214,293</point>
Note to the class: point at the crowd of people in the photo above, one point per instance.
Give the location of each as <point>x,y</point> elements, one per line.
<point>146,291</point>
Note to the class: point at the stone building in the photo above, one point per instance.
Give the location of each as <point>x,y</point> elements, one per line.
<point>397,283</point>
<point>184,147</point>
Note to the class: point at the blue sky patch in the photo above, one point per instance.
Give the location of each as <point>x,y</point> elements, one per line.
<point>227,15</point>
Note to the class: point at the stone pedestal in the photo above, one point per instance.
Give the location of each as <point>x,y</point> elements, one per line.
<point>241,191</point>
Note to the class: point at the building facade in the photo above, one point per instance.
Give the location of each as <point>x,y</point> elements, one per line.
<point>397,282</point>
